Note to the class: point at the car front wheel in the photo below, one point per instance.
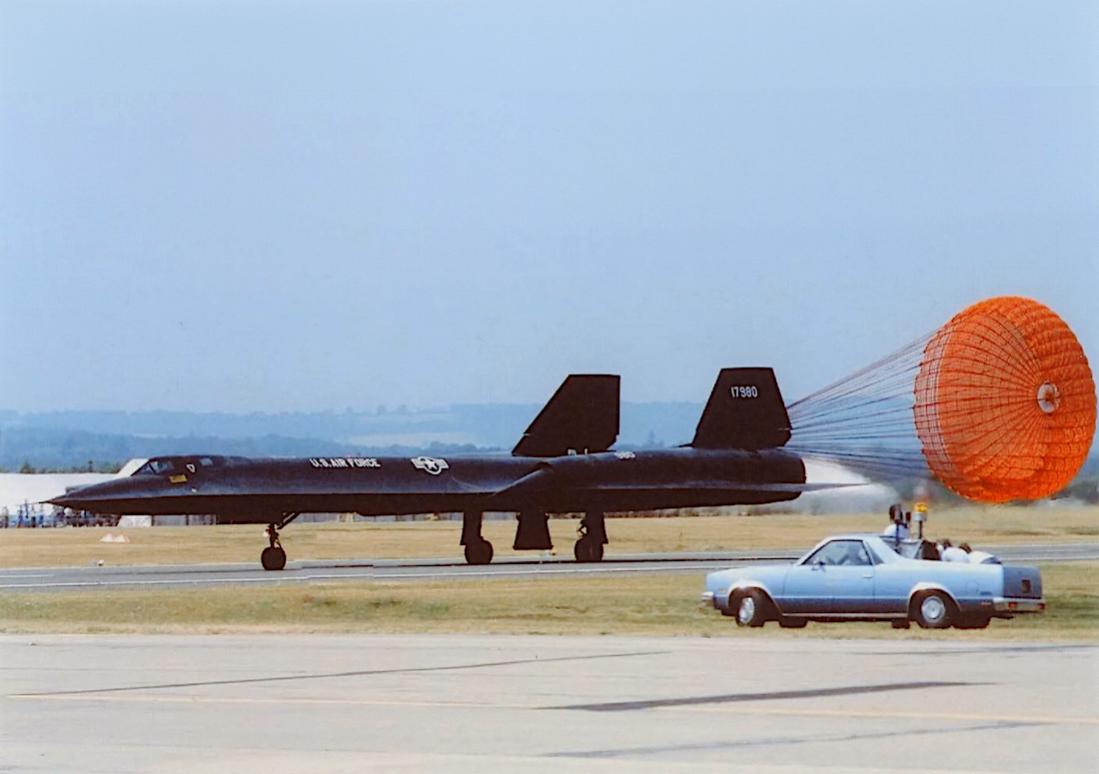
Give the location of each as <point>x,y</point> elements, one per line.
<point>751,609</point>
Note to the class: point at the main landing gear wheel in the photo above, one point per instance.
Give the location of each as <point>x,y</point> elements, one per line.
<point>593,536</point>
<point>587,549</point>
<point>479,552</point>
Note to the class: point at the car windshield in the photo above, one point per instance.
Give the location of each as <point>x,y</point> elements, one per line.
<point>840,552</point>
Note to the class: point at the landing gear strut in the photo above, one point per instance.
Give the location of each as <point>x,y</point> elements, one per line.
<point>274,557</point>
<point>478,550</point>
<point>593,536</point>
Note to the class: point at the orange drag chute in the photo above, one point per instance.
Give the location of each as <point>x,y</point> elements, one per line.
<point>1004,402</point>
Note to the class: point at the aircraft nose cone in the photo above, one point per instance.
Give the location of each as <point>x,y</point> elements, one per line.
<point>67,500</point>
<point>87,497</point>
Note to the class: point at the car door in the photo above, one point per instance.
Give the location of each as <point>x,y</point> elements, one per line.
<point>892,583</point>
<point>838,578</point>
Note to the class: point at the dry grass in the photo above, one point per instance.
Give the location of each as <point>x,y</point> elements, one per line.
<point>242,543</point>
<point>644,604</point>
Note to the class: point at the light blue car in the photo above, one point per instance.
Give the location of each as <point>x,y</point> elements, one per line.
<point>862,578</point>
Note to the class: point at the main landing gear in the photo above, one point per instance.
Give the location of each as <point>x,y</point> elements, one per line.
<point>478,550</point>
<point>532,534</point>
<point>274,556</point>
<point>593,536</point>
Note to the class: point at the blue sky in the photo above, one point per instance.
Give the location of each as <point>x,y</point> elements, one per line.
<point>277,206</point>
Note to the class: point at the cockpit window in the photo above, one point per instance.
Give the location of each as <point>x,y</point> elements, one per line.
<point>163,466</point>
<point>156,468</point>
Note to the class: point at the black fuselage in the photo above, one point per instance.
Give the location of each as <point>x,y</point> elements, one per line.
<point>264,490</point>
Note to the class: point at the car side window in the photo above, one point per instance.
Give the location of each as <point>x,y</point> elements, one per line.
<point>841,552</point>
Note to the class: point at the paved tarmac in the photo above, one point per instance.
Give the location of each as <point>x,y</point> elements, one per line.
<point>75,578</point>
<point>290,703</point>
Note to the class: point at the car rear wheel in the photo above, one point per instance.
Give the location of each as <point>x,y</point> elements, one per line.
<point>751,609</point>
<point>933,610</point>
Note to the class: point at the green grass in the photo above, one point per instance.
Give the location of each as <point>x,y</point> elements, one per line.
<point>665,604</point>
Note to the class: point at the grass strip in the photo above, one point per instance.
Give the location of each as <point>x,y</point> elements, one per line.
<point>659,604</point>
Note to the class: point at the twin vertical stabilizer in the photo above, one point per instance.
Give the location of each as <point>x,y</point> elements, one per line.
<point>745,411</point>
<point>580,418</point>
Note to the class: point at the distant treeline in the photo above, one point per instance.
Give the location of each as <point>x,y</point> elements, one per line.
<point>67,440</point>
<point>495,425</point>
<point>91,467</point>
<point>39,450</point>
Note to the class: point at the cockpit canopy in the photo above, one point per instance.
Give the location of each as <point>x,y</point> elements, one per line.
<point>166,466</point>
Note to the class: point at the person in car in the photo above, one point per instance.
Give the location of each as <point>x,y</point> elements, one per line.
<point>948,552</point>
<point>897,529</point>
<point>979,557</point>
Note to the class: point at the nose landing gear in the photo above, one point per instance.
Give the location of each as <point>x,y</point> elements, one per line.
<point>274,556</point>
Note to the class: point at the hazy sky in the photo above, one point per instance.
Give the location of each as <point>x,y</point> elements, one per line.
<point>266,206</point>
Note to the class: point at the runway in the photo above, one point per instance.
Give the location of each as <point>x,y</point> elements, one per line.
<point>75,578</point>
<point>284,703</point>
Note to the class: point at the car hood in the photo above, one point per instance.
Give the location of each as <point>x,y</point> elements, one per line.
<point>763,573</point>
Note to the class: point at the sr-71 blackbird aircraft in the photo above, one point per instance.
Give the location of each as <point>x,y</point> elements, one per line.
<point>562,464</point>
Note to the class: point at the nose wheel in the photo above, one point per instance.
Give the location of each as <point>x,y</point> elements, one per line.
<point>273,557</point>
